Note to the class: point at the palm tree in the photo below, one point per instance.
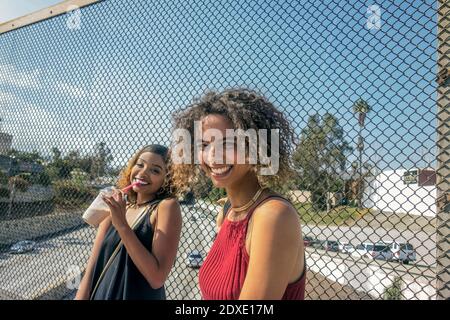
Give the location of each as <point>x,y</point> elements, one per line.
<point>362,108</point>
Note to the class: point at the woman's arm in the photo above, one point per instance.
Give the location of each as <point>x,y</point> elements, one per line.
<point>155,266</point>
<point>274,250</point>
<point>84,288</point>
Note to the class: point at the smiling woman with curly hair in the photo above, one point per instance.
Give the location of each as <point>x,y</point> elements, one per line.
<point>258,252</point>
<point>136,245</point>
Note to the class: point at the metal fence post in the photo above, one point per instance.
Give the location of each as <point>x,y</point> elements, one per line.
<point>443,155</point>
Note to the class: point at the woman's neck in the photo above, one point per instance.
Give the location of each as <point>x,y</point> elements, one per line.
<point>243,191</point>
<point>143,198</point>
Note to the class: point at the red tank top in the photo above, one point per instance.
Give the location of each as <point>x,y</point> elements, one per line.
<point>222,275</point>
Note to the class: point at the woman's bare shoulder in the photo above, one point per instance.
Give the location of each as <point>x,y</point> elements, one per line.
<point>276,208</point>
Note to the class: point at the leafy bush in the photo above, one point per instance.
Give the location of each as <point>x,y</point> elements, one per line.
<point>79,176</point>
<point>41,178</point>
<point>25,175</point>
<point>4,192</point>
<point>70,193</point>
<point>52,172</point>
<point>202,187</point>
<point>394,292</point>
<point>20,182</point>
<point>3,178</point>
<point>319,200</point>
<point>216,194</point>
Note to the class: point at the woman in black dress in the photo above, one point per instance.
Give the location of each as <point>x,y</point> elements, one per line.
<point>136,246</point>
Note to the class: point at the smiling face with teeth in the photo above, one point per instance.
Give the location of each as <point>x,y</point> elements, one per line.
<point>227,172</point>
<point>150,170</point>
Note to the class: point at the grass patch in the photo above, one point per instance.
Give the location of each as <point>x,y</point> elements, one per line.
<point>398,220</point>
<point>342,215</point>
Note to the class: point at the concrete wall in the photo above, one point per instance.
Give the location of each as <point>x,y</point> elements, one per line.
<point>372,277</point>
<point>387,192</point>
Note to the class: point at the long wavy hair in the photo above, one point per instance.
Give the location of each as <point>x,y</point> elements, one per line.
<point>246,109</point>
<point>167,190</point>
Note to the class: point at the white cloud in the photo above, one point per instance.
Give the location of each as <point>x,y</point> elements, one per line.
<point>34,128</point>
<point>117,108</point>
<point>70,89</point>
<point>10,75</point>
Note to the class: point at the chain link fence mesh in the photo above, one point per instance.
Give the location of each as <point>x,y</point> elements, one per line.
<point>81,92</point>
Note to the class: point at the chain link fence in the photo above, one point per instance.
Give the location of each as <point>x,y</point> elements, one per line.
<point>364,84</point>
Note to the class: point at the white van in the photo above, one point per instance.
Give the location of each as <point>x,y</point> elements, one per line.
<point>379,251</point>
<point>402,252</point>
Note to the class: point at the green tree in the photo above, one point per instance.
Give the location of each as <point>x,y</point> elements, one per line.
<point>216,194</point>
<point>84,163</point>
<point>26,156</point>
<point>115,171</point>
<point>79,176</point>
<point>56,154</point>
<point>4,191</point>
<point>100,160</point>
<point>361,108</point>
<point>61,167</point>
<point>320,158</point>
<point>202,187</point>
<point>3,178</point>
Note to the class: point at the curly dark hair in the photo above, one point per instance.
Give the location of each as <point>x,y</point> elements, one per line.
<point>246,109</point>
<point>167,190</point>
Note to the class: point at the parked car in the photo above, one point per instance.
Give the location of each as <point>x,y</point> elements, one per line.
<point>379,251</point>
<point>195,259</point>
<point>403,252</point>
<point>317,244</point>
<point>326,245</point>
<point>307,241</point>
<point>346,248</point>
<point>331,245</point>
<point>360,250</point>
<point>22,247</point>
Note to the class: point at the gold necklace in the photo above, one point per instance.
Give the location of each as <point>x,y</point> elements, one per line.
<point>140,205</point>
<point>250,203</point>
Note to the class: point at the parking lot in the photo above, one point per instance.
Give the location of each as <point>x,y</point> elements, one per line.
<point>423,242</point>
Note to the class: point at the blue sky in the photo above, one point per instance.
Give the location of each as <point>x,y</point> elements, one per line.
<point>13,9</point>
<point>132,63</point>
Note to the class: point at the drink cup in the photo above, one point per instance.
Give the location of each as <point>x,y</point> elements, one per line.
<point>98,210</point>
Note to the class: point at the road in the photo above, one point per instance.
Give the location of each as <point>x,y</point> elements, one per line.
<point>195,235</point>
<point>29,276</point>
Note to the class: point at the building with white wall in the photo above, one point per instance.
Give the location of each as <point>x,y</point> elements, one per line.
<point>403,191</point>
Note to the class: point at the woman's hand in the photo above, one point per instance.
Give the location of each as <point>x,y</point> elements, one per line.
<point>118,210</point>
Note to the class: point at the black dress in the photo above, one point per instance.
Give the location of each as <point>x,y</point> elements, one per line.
<point>122,280</point>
